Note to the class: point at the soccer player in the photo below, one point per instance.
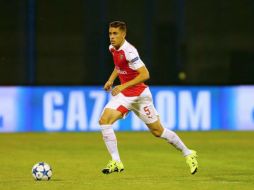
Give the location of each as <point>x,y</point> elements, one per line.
<point>132,95</point>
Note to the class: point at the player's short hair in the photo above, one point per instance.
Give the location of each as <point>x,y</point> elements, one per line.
<point>118,24</point>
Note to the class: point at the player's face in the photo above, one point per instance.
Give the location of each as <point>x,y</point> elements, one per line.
<point>116,37</point>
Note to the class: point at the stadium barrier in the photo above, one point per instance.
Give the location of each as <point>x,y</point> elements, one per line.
<point>78,108</point>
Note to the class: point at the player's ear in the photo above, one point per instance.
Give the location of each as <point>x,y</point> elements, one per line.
<point>124,34</point>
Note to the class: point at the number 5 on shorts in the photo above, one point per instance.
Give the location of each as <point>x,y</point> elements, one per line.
<point>147,111</point>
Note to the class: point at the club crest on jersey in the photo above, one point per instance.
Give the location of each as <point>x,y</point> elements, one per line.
<point>121,56</point>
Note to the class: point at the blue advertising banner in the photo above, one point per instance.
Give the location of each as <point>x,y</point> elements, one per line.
<point>78,108</point>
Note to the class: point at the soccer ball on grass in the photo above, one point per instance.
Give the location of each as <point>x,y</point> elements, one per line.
<point>42,171</point>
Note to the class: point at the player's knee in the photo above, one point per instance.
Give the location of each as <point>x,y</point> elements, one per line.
<point>105,121</point>
<point>156,128</point>
<point>156,132</point>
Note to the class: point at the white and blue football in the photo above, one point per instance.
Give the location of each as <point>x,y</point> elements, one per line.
<point>42,171</point>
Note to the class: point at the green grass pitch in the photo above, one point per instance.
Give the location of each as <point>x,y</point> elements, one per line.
<point>226,161</point>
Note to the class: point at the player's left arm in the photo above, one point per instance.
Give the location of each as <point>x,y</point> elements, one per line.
<point>141,77</point>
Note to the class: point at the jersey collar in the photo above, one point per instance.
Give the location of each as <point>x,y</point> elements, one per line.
<point>123,46</point>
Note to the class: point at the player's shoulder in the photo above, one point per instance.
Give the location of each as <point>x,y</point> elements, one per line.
<point>131,53</point>
<point>129,49</point>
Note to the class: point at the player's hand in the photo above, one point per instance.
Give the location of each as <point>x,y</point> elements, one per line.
<point>108,85</point>
<point>117,89</point>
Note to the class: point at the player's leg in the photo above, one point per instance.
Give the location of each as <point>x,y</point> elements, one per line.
<point>146,111</point>
<point>112,112</point>
<point>159,131</point>
<point>108,117</point>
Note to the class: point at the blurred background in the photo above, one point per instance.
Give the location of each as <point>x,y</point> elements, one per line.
<point>54,60</point>
<point>63,42</point>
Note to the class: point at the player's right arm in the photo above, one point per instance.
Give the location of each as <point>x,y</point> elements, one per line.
<point>108,85</point>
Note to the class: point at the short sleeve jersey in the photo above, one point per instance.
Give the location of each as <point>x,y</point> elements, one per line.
<point>127,61</point>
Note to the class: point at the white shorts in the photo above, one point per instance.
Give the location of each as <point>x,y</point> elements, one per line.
<point>141,105</point>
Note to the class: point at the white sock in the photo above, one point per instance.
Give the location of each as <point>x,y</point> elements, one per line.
<point>110,140</point>
<point>173,139</point>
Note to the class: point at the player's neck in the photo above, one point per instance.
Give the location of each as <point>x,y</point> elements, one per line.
<point>118,47</point>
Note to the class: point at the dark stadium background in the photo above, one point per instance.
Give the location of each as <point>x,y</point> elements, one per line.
<point>54,60</point>
<point>62,42</point>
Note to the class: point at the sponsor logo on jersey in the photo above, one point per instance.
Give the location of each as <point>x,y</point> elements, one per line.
<point>119,71</point>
